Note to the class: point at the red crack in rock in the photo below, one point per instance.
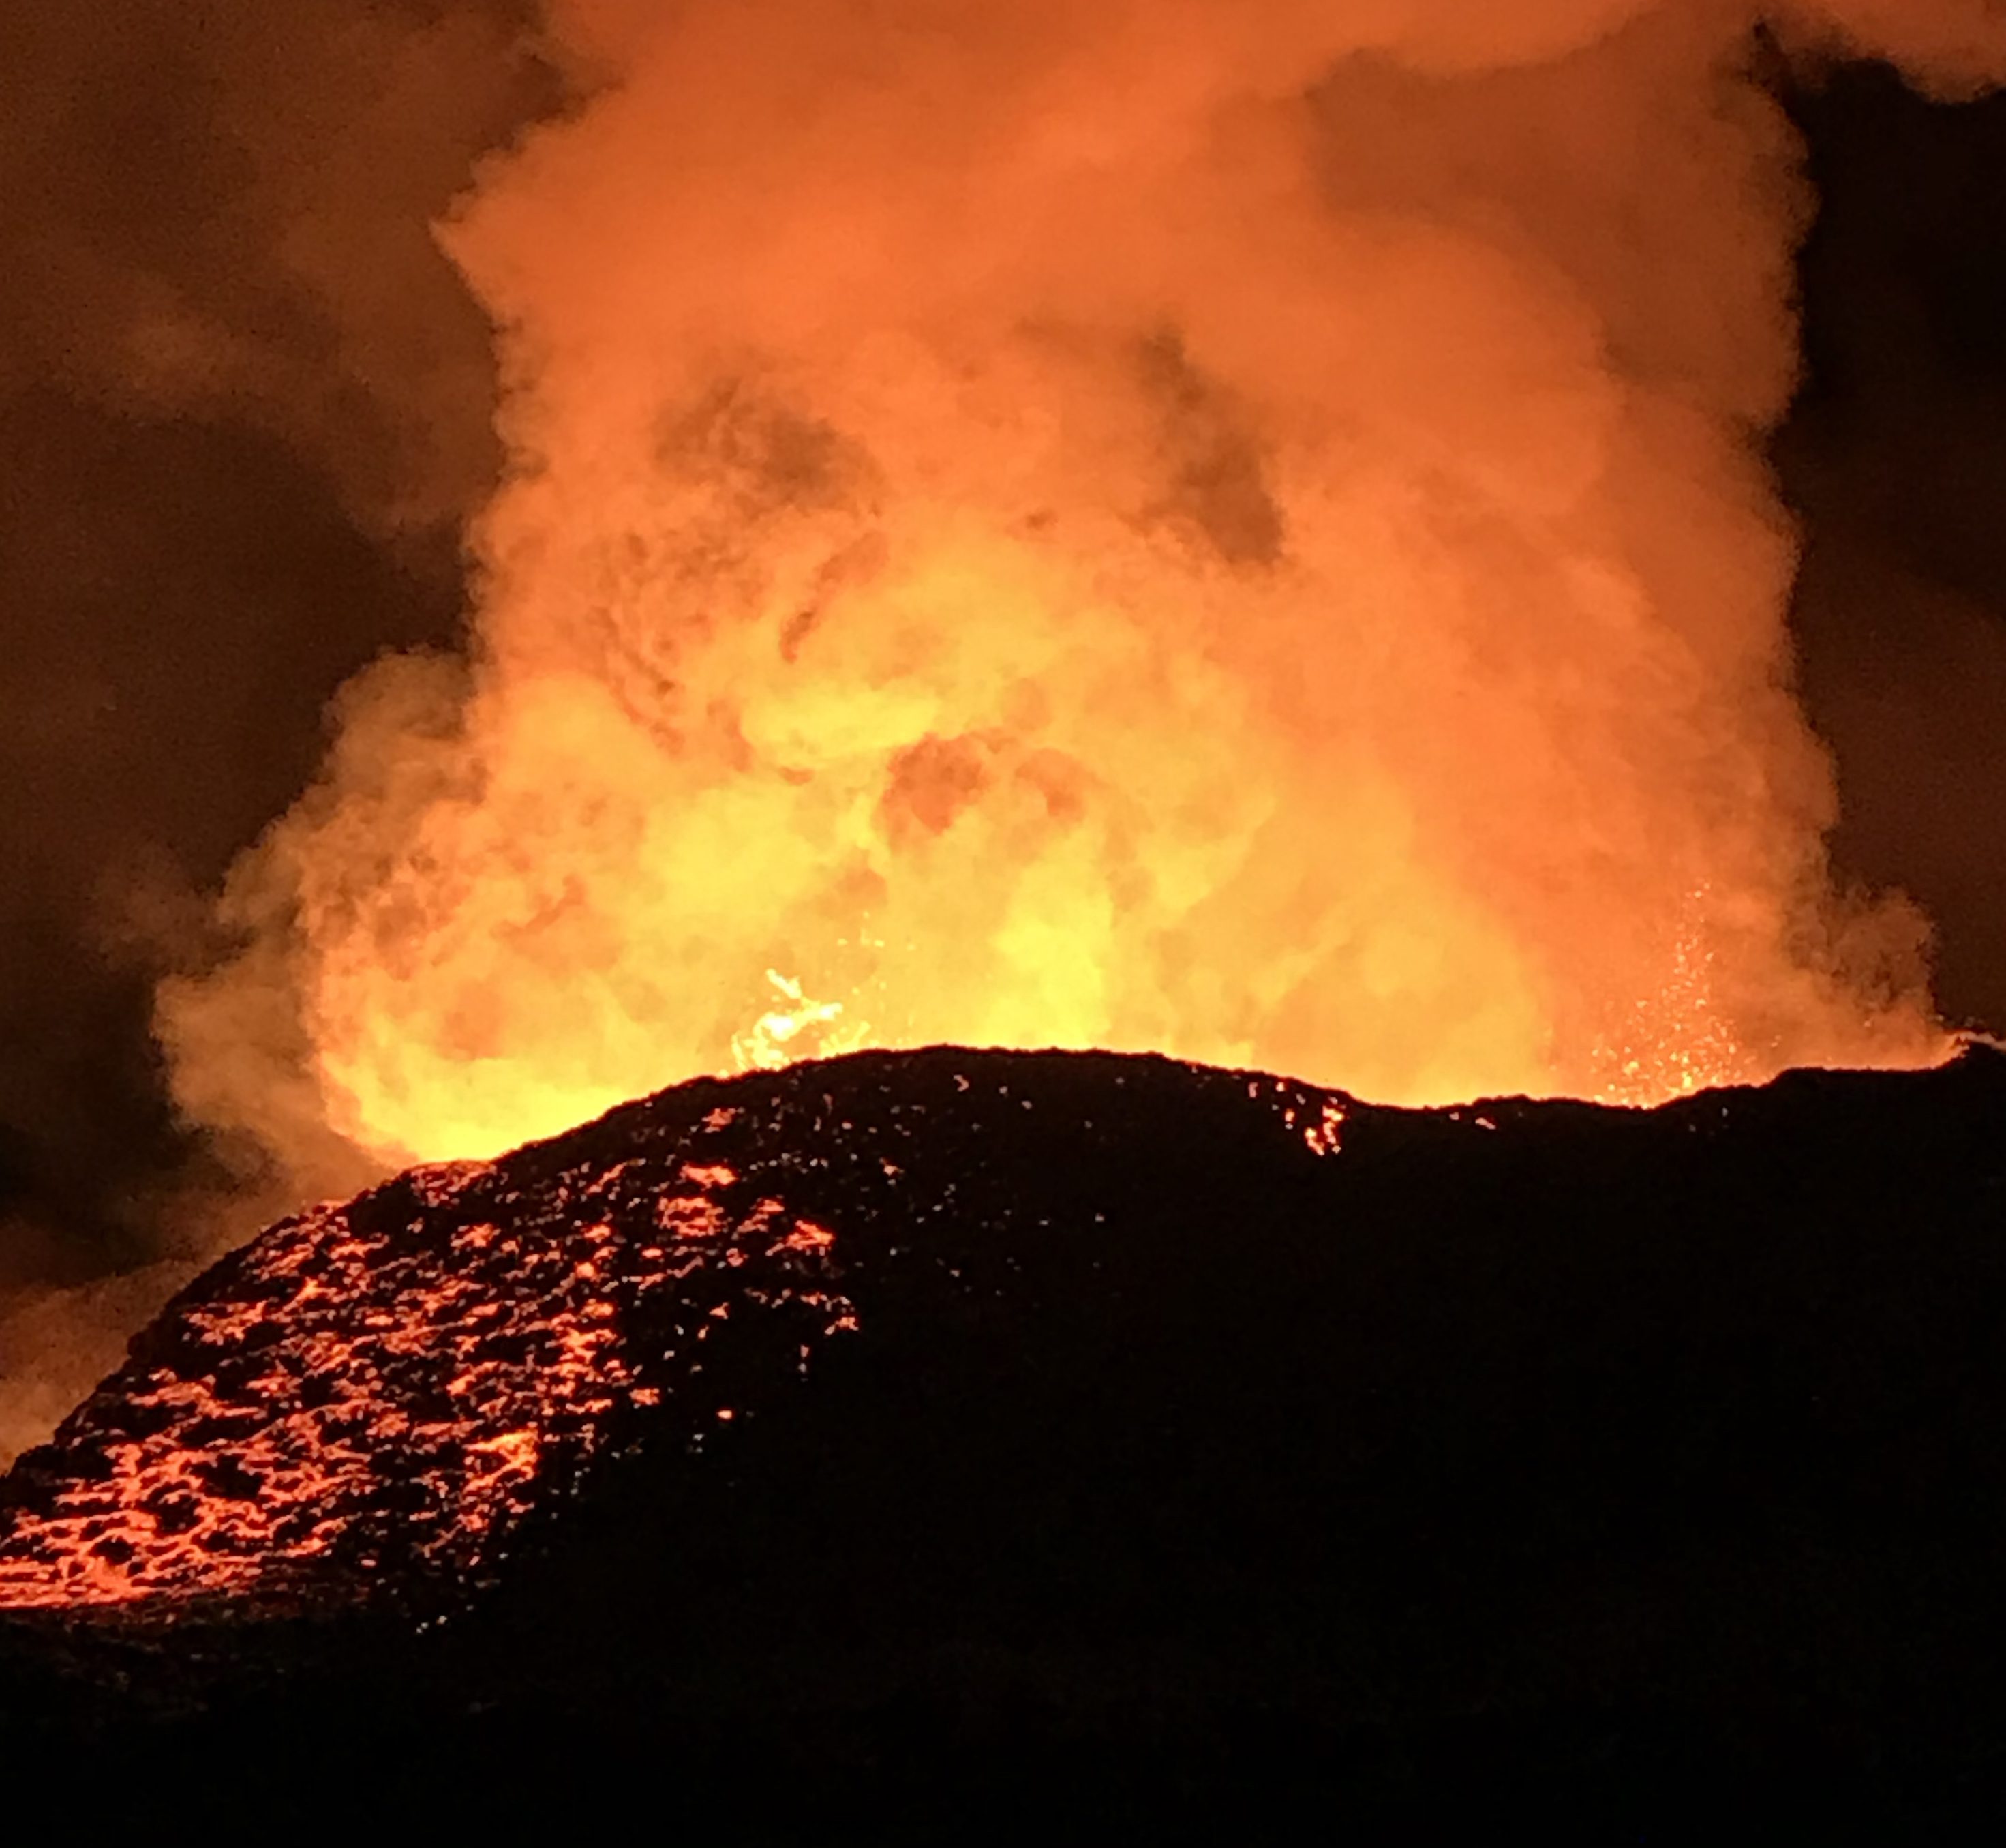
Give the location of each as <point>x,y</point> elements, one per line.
<point>370,1393</point>
<point>406,1375</point>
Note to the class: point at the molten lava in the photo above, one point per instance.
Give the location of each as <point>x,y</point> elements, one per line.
<point>398,1382</point>
<point>997,1409</point>
<point>380,1394</point>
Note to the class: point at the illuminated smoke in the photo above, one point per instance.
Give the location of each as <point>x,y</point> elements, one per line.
<point>1234,528</point>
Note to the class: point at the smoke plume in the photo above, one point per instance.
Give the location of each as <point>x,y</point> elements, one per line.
<point>1233,528</point>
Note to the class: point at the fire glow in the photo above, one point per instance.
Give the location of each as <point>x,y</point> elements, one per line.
<point>372,1399</point>
<point>1225,528</point>
<point>392,1386</point>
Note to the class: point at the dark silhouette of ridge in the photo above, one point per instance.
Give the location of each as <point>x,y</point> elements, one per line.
<point>1004,1445</point>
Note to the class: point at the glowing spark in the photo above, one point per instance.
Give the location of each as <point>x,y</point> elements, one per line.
<point>776,1038</point>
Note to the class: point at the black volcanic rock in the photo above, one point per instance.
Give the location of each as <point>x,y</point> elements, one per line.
<point>990,1444</point>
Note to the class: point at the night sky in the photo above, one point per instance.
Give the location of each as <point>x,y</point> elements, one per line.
<point>235,470</point>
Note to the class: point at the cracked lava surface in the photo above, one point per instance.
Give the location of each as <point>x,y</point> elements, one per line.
<point>390,1387</point>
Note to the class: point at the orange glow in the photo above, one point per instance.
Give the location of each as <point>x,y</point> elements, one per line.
<point>1198,527</point>
<point>483,1366</point>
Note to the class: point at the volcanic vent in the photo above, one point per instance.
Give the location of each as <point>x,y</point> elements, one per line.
<point>1001,1420</point>
<point>392,1385</point>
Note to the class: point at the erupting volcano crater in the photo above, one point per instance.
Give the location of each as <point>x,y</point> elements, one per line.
<point>1154,1401</point>
<point>386,1387</point>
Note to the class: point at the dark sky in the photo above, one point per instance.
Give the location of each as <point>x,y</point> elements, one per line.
<point>1895,458</point>
<point>235,460</point>
<point>235,465</point>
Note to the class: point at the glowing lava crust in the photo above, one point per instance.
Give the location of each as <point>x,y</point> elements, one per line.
<point>392,1386</point>
<point>969,1430</point>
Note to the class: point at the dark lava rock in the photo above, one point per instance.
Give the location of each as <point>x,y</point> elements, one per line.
<point>1000,1445</point>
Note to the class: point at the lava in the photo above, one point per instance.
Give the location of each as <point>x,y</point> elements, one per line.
<point>382,1393</point>
<point>402,1378</point>
<point>947,1414</point>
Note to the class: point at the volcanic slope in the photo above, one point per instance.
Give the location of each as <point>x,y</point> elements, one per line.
<point>942,1424</point>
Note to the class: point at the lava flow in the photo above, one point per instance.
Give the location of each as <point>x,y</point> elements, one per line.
<point>948,1414</point>
<point>381,1393</point>
<point>397,1382</point>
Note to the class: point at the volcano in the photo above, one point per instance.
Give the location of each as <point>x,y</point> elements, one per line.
<point>955,1439</point>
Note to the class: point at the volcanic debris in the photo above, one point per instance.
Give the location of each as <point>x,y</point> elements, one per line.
<point>1000,1427</point>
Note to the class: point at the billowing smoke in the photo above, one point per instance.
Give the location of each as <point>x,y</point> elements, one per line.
<point>1235,528</point>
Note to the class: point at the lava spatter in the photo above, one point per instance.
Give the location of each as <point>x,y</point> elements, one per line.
<point>388,1389</point>
<point>398,1382</point>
